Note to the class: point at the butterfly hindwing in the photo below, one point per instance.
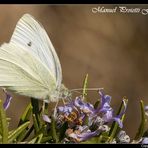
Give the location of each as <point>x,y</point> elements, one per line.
<point>22,72</point>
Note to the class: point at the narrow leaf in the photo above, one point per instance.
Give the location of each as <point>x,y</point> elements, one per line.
<point>27,133</point>
<point>26,115</point>
<point>45,108</point>
<point>63,130</point>
<point>17,132</point>
<point>39,138</point>
<point>36,111</point>
<point>85,84</point>
<point>33,140</point>
<point>53,130</point>
<point>24,118</point>
<point>93,140</point>
<point>35,123</point>
<point>96,104</point>
<point>3,124</point>
<point>46,139</point>
<point>143,122</point>
<point>114,127</point>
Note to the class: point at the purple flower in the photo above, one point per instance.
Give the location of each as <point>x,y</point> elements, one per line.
<point>118,120</point>
<point>123,137</point>
<point>118,117</point>
<point>6,104</point>
<point>107,111</point>
<point>105,102</point>
<point>46,118</point>
<point>146,110</point>
<point>109,116</point>
<point>76,112</point>
<point>104,128</point>
<point>82,133</point>
<point>85,121</point>
<point>145,140</point>
<point>67,109</point>
<point>85,107</point>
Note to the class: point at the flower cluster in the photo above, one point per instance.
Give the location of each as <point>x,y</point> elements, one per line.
<point>76,121</point>
<point>85,120</point>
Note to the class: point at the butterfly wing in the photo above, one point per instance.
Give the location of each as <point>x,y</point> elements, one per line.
<point>30,34</point>
<point>22,72</point>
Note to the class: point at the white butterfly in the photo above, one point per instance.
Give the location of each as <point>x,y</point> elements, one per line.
<point>29,64</point>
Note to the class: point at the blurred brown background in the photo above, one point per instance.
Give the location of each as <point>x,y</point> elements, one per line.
<point>111,48</point>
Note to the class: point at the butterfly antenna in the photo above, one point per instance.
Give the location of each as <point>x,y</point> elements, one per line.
<point>75,90</point>
<point>88,89</point>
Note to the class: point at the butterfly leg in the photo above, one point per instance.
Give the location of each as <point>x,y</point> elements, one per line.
<point>55,109</point>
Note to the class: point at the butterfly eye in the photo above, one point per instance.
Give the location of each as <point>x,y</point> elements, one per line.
<point>29,44</point>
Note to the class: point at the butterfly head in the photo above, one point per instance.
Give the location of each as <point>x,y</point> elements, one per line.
<point>60,93</point>
<point>64,92</point>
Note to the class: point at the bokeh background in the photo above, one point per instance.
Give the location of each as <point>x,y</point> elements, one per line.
<point>111,48</point>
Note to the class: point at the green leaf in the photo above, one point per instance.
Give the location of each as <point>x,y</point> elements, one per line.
<point>3,124</point>
<point>142,125</point>
<point>35,123</point>
<point>145,133</point>
<point>17,132</point>
<point>104,138</point>
<point>46,139</point>
<point>62,131</point>
<point>10,132</point>
<point>27,133</point>
<point>0,139</point>
<point>86,120</point>
<point>36,111</point>
<point>33,140</point>
<point>85,84</point>
<point>39,138</point>
<point>93,140</point>
<point>53,129</point>
<point>45,108</point>
<point>96,104</point>
<point>41,130</point>
<point>114,127</point>
<point>26,115</point>
<point>24,118</point>
<point>36,139</point>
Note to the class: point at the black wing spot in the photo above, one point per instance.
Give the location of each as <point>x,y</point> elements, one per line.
<point>29,44</point>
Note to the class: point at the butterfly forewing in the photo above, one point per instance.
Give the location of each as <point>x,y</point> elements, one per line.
<point>32,36</point>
